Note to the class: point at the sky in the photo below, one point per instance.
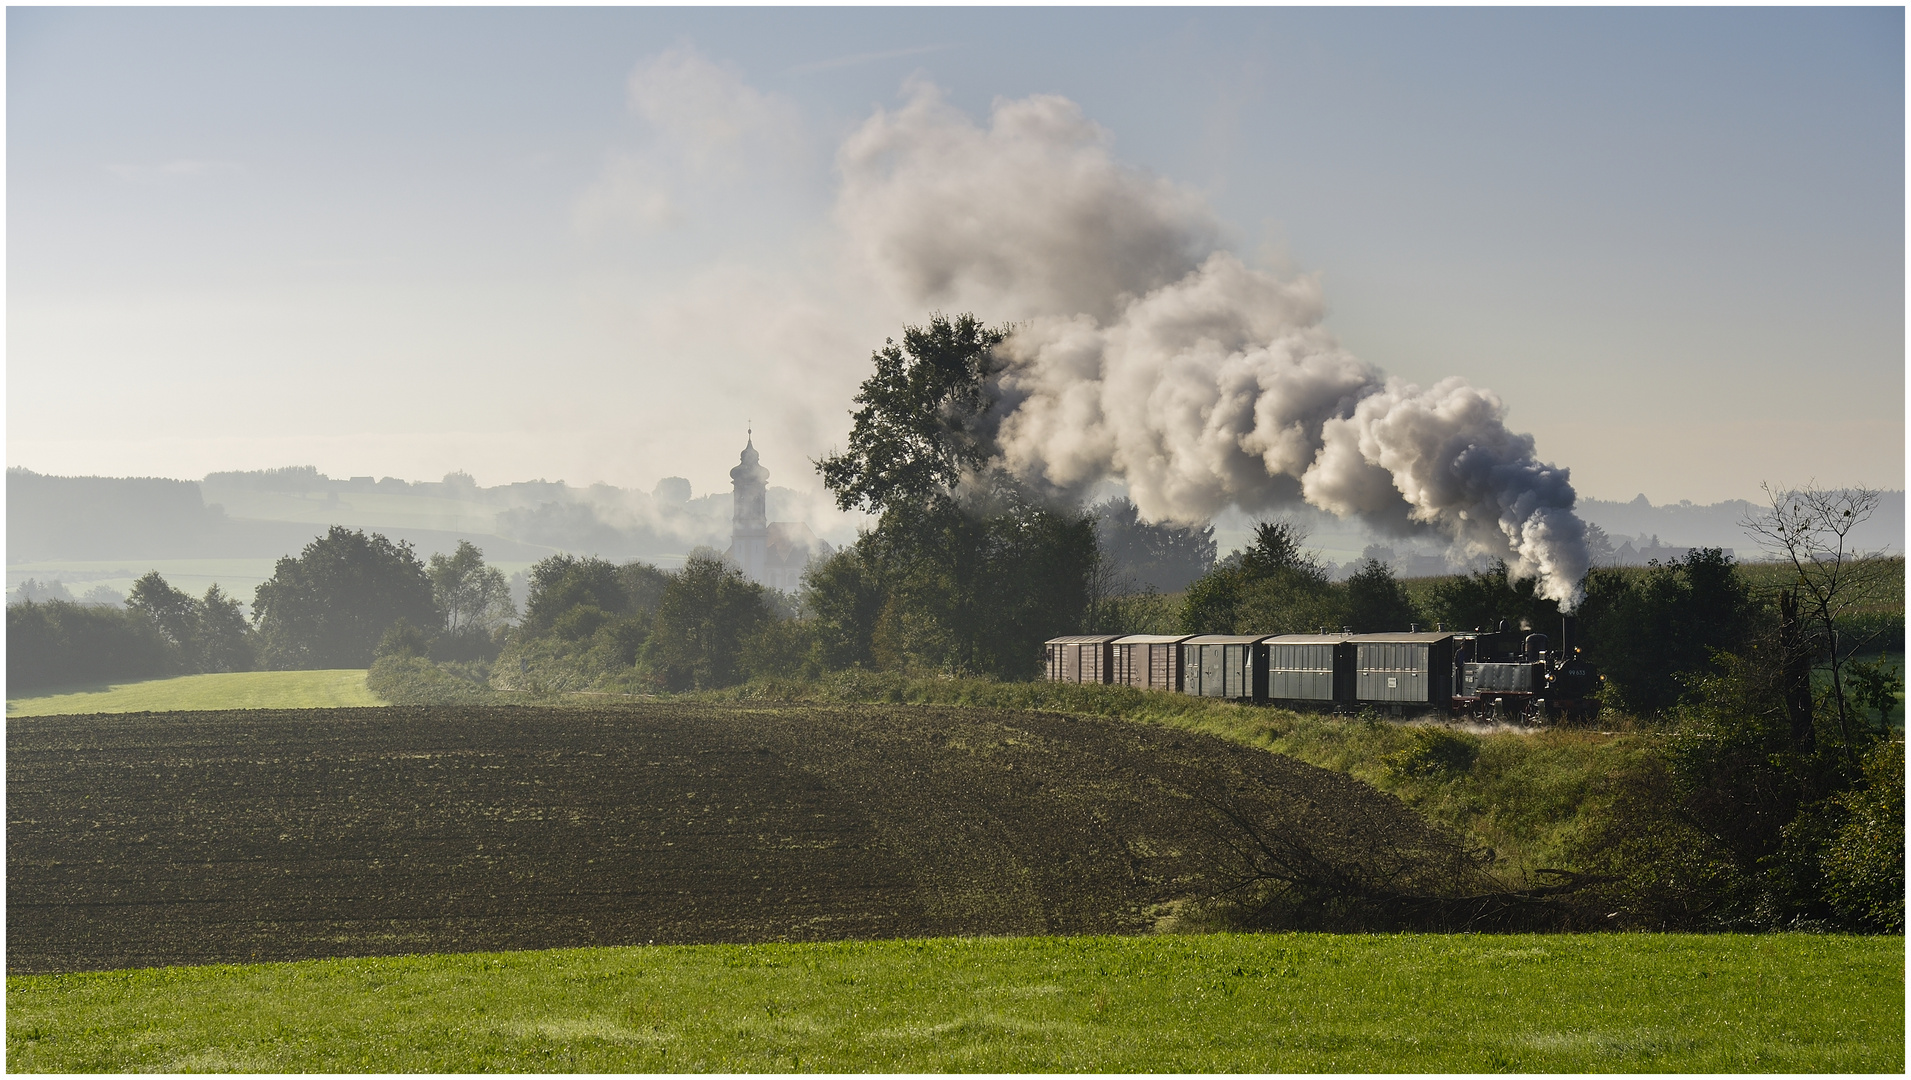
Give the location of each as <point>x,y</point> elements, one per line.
<point>599,245</point>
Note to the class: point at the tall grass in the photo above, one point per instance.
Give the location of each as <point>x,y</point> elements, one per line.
<point>1521,792</point>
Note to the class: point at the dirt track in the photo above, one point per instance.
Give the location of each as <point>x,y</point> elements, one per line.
<point>148,839</point>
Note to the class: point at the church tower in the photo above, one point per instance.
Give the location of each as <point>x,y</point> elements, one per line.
<point>750,521</point>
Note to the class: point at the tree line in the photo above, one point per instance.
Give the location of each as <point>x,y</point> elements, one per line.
<point>1770,802</point>
<point>328,607</point>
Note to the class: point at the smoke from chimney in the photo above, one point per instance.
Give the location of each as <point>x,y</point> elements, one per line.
<point>1143,353</point>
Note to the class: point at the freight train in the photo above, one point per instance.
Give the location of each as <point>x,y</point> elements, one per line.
<point>1502,674</point>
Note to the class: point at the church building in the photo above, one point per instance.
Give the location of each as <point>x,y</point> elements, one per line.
<point>773,553</point>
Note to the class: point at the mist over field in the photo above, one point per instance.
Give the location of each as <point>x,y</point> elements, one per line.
<point>72,534</point>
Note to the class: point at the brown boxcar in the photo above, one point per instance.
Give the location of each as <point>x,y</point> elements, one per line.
<point>1080,658</point>
<point>1149,661</point>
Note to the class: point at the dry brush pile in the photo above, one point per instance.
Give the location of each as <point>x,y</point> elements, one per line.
<point>150,839</point>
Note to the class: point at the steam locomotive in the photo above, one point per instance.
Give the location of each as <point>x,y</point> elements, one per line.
<point>1503,674</point>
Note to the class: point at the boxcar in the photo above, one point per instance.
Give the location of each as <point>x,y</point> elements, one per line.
<point>1080,658</point>
<point>1403,669</point>
<point>1315,668</point>
<point>1149,661</point>
<point>1224,666</point>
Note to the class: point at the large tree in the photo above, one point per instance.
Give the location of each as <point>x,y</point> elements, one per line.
<point>1275,586</point>
<point>210,633</point>
<point>966,570</point>
<point>329,607</point>
<point>708,609</point>
<point>1162,556</point>
<point>922,425</point>
<point>474,597</point>
<point>1654,632</point>
<point>1376,604</point>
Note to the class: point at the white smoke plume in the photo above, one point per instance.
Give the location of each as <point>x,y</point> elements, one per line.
<point>1148,355</point>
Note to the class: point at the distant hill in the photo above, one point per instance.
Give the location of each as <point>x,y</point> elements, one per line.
<point>266,513</point>
<point>78,518</point>
<point>1688,524</point>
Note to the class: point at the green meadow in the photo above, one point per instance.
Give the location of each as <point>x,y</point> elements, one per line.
<point>1237,1003</point>
<point>229,690</point>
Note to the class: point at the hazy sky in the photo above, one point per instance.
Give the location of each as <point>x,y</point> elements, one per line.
<point>594,244</point>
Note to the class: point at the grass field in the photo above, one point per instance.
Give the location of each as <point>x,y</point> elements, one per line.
<point>232,690</point>
<point>1287,1002</point>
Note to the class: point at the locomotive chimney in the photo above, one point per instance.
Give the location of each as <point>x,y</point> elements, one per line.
<point>1568,627</point>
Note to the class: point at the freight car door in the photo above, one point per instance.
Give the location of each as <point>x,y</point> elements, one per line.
<point>1214,680</point>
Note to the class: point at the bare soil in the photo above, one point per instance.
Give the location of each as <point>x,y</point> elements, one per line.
<point>148,839</point>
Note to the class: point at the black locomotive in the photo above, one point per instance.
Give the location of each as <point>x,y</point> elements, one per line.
<point>1501,674</point>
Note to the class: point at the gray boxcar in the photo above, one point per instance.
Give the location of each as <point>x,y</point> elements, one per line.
<point>1080,658</point>
<point>1309,667</point>
<point>1224,666</point>
<point>1149,661</point>
<point>1403,669</point>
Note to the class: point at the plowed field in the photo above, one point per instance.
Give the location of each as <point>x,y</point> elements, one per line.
<point>165,838</point>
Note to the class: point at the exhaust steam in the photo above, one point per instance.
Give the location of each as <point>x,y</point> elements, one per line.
<point>1145,353</point>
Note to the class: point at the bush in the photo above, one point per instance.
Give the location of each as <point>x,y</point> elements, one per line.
<point>551,665</point>
<point>783,649</point>
<point>1433,751</point>
<point>1652,867</point>
<point>468,645</point>
<point>59,645</point>
<point>403,640</point>
<point>1863,863</point>
<point>413,680</point>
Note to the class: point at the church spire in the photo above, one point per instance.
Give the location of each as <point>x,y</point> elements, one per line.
<point>750,512</point>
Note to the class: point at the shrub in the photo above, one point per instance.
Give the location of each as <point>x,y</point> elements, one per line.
<point>59,644</point>
<point>1433,751</point>
<point>782,649</point>
<point>403,640</point>
<point>413,680</point>
<point>1864,862</point>
<point>1654,869</point>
